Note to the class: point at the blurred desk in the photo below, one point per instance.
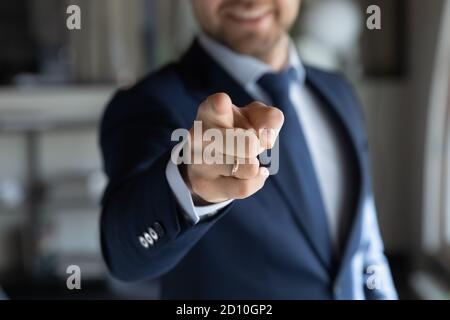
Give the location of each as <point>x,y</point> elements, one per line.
<point>51,108</point>
<point>32,111</point>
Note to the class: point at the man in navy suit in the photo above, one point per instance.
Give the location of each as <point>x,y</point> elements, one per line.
<point>237,228</point>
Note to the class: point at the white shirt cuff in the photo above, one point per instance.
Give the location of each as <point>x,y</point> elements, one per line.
<point>184,197</point>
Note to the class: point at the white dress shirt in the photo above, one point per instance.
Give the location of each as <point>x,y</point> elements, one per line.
<point>323,142</point>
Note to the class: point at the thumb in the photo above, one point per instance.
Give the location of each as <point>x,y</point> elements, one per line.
<point>217,111</point>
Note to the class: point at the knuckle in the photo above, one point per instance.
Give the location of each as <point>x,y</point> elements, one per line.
<point>275,114</point>
<point>257,104</point>
<point>244,189</point>
<point>220,97</point>
<point>252,144</point>
<point>199,185</point>
<point>261,183</point>
<point>251,170</point>
<point>201,111</point>
<point>210,101</point>
<point>218,100</point>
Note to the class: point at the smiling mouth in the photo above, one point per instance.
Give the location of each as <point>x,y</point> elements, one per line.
<point>249,16</point>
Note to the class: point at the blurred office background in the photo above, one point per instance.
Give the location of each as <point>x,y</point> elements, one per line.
<point>54,84</point>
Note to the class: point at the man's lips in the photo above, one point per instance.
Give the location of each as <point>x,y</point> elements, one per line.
<point>249,16</point>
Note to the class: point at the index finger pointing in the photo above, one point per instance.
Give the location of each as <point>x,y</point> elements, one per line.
<point>267,121</point>
<point>217,110</point>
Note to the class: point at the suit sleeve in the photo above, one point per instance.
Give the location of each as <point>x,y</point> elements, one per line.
<point>184,197</point>
<point>378,283</point>
<point>143,231</point>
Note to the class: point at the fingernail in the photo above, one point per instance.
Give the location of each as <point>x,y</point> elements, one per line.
<point>270,137</point>
<point>267,136</point>
<point>265,172</point>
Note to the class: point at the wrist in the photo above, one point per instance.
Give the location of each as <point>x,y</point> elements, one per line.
<point>198,201</point>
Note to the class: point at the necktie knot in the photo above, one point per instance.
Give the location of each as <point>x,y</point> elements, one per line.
<point>277,86</point>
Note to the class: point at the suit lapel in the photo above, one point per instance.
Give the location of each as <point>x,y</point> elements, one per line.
<point>325,89</point>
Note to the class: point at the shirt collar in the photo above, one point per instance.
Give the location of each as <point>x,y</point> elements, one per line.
<point>245,69</point>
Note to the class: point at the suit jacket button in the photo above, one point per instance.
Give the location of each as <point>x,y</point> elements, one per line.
<point>149,239</point>
<point>159,229</point>
<point>143,242</point>
<point>153,234</point>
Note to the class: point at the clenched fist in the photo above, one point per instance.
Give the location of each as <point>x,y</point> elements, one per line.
<point>255,129</point>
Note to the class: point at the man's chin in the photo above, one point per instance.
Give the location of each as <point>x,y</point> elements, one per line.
<point>251,45</point>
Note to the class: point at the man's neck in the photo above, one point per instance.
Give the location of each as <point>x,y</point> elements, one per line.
<point>277,56</point>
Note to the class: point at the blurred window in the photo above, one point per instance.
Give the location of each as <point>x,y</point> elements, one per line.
<point>444,222</point>
<point>436,214</point>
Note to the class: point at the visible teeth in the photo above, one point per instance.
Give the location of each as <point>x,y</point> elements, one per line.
<point>254,14</point>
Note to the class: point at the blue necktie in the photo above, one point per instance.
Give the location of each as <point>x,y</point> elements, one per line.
<point>296,167</point>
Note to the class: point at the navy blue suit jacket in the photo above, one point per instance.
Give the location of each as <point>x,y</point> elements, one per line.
<point>260,247</point>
